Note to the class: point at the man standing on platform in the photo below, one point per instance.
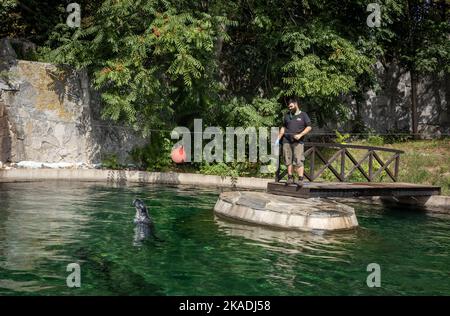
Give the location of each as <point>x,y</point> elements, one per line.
<point>296,125</point>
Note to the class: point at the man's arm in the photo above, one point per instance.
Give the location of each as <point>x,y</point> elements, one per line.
<point>281,133</point>
<point>305,131</point>
<point>280,136</point>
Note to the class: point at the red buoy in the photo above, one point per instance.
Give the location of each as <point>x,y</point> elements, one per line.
<point>178,155</point>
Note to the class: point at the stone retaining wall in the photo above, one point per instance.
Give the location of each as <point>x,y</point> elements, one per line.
<point>50,113</point>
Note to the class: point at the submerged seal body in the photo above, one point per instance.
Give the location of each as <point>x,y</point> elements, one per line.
<point>144,225</point>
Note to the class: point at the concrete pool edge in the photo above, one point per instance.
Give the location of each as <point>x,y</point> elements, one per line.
<point>134,176</point>
<point>435,203</point>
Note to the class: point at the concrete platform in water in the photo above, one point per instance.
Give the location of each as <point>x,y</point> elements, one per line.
<point>285,212</point>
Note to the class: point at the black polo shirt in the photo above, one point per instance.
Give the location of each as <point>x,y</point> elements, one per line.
<point>295,124</point>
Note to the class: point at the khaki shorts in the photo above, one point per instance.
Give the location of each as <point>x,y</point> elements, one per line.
<point>293,154</point>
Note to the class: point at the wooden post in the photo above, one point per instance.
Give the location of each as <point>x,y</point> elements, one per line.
<point>370,166</point>
<point>343,164</point>
<point>396,167</point>
<point>313,156</point>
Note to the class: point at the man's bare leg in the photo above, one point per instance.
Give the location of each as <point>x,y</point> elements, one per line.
<point>290,176</point>
<point>300,171</point>
<point>289,168</point>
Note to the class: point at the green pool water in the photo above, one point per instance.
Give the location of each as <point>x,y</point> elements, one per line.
<point>44,226</point>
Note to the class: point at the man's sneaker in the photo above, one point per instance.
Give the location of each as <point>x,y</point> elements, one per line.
<point>299,182</point>
<point>290,180</point>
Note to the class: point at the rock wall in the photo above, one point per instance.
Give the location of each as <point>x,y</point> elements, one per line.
<point>50,114</point>
<point>388,108</point>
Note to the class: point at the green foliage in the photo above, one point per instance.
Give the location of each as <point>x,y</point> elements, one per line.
<point>143,55</point>
<point>219,169</point>
<point>260,112</point>
<point>357,176</point>
<point>222,169</point>
<point>396,136</point>
<point>426,162</point>
<point>111,162</point>
<point>234,170</point>
<point>375,140</point>
<point>416,34</point>
<point>155,156</point>
<point>328,176</point>
<point>6,6</point>
<point>36,20</point>
<point>160,63</point>
<point>329,74</point>
<point>419,176</point>
<point>341,138</point>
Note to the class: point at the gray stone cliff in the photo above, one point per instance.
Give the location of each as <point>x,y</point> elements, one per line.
<point>50,114</point>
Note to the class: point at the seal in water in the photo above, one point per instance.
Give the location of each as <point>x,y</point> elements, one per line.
<point>144,223</point>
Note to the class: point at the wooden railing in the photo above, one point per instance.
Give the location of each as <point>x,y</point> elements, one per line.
<point>342,155</point>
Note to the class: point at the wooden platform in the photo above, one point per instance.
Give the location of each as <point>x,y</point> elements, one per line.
<point>346,189</point>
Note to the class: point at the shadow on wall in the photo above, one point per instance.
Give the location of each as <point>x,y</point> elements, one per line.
<point>121,177</point>
<point>7,60</point>
<point>5,139</point>
<point>118,177</point>
<point>388,110</point>
<point>162,178</point>
<point>436,91</point>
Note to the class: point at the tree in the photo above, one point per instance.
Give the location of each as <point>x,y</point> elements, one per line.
<point>417,36</point>
<point>147,59</point>
<point>305,48</point>
<point>6,6</point>
<point>164,62</point>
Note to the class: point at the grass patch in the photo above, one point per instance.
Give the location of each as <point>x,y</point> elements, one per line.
<point>424,162</point>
